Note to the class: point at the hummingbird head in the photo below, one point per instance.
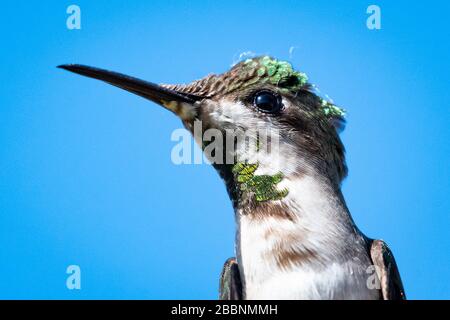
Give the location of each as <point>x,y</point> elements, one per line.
<point>256,97</point>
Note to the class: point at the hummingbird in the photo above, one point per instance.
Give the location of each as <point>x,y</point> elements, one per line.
<point>295,236</point>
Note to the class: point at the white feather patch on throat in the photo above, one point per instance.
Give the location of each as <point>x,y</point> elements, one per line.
<point>336,267</point>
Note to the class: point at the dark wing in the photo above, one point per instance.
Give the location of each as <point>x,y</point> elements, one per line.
<point>386,268</point>
<point>230,281</point>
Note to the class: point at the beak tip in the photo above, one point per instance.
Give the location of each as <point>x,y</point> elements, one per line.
<point>68,67</point>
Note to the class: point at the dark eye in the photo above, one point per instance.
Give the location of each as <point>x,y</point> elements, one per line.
<point>268,102</point>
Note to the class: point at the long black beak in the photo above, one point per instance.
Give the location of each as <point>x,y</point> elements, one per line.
<point>148,90</point>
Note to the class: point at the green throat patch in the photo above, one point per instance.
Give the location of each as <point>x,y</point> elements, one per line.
<point>262,186</point>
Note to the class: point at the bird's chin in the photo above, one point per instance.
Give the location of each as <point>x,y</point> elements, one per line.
<point>187,112</point>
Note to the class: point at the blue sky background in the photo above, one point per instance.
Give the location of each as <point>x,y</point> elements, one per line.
<point>85,171</point>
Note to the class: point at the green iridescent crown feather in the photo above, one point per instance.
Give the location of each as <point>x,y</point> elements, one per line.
<point>331,110</point>
<point>277,72</point>
<point>282,74</point>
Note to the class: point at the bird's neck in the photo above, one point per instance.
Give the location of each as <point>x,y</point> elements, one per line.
<point>308,227</point>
